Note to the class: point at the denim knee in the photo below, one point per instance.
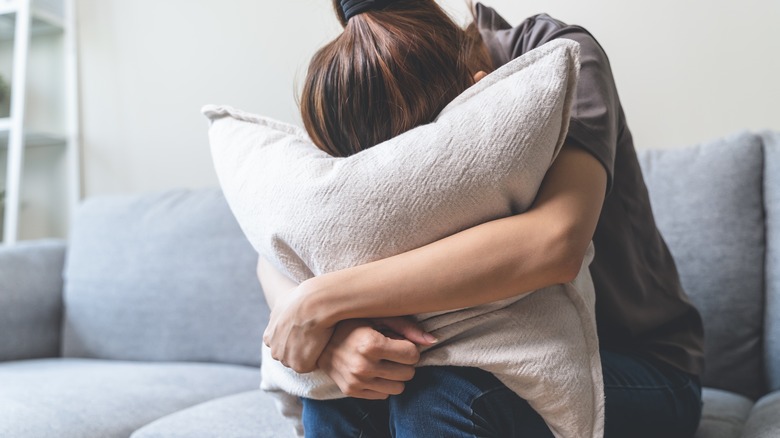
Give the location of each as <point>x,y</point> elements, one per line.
<point>346,417</point>
<point>461,402</point>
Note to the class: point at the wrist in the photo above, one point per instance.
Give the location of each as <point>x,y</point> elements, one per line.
<point>317,302</point>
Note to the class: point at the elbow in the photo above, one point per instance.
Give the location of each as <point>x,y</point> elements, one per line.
<point>569,268</point>
<point>570,252</point>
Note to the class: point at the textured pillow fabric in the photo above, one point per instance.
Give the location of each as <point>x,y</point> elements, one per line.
<point>708,205</point>
<point>476,162</point>
<point>483,158</point>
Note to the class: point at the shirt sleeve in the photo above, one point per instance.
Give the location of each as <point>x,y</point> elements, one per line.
<point>596,111</point>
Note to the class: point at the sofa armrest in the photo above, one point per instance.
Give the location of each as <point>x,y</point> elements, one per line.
<point>31,299</point>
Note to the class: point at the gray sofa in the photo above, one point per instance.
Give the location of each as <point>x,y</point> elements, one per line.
<point>148,322</point>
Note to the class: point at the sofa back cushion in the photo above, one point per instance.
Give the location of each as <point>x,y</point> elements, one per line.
<point>31,299</point>
<point>772,208</point>
<point>163,277</point>
<point>708,205</point>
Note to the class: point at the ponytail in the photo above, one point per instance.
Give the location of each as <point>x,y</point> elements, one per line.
<point>390,70</point>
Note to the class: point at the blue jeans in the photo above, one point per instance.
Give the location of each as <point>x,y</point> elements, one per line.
<point>643,399</point>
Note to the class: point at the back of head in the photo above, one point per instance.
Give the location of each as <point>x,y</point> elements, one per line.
<point>390,70</point>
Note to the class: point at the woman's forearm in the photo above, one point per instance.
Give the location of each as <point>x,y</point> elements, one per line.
<point>490,262</point>
<point>273,282</point>
<point>474,267</point>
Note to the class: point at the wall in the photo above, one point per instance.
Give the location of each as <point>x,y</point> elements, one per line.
<point>148,66</point>
<point>686,71</point>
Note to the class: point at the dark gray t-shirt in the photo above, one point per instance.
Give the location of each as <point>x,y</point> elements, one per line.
<point>640,305</point>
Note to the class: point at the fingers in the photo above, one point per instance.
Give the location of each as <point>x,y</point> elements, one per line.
<point>365,364</point>
<point>393,350</point>
<point>374,381</point>
<point>365,370</point>
<point>300,350</point>
<point>393,371</point>
<point>408,329</point>
<point>300,363</point>
<point>361,389</point>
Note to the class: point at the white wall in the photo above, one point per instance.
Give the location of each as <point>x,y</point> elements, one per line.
<point>147,67</point>
<point>687,71</point>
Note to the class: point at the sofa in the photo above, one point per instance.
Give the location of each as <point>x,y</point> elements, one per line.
<point>148,321</point>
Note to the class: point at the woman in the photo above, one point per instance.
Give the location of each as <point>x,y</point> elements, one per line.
<point>397,64</point>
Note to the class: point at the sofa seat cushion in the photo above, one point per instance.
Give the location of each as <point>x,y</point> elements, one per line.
<point>249,414</point>
<point>764,421</point>
<point>84,398</point>
<point>724,414</point>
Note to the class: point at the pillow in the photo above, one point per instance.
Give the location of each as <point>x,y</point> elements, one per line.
<point>483,158</point>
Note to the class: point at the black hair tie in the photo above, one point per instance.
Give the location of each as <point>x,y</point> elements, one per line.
<point>354,7</point>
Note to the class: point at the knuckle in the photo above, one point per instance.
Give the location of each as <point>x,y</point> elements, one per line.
<point>365,348</point>
<point>359,369</point>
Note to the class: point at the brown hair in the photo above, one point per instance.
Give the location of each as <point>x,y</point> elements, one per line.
<point>387,72</point>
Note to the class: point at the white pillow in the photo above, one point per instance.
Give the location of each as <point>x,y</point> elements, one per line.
<point>483,158</point>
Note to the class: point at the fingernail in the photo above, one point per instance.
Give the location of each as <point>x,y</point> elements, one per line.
<point>430,338</point>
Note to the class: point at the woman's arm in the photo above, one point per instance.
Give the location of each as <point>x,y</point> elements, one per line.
<point>275,285</point>
<point>273,282</point>
<point>498,259</point>
<point>360,356</point>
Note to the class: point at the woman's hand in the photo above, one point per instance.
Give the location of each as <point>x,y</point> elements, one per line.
<point>371,359</point>
<point>294,334</point>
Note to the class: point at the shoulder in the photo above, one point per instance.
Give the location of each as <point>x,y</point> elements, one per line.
<point>506,42</point>
<point>596,111</point>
